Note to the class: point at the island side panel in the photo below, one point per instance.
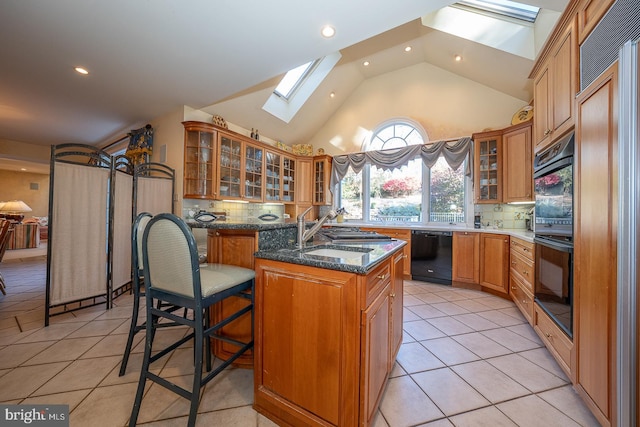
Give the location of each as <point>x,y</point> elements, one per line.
<point>307,344</point>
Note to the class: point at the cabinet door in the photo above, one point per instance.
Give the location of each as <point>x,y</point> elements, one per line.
<point>466,257</point>
<point>595,243</point>
<point>273,166</point>
<point>488,162</point>
<point>397,288</point>
<point>322,174</point>
<point>376,349</point>
<point>253,172</point>
<point>234,247</point>
<point>565,78</point>
<point>518,165</point>
<point>494,262</point>
<point>199,151</point>
<point>230,174</point>
<point>304,178</point>
<point>289,189</point>
<point>541,118</point>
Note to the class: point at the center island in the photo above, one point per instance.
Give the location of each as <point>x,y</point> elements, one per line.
<point>327,321</point>
<point>328,326</point>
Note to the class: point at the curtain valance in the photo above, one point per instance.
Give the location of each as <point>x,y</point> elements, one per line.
<point>454,152</point>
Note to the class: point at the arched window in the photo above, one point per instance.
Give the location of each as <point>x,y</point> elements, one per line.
<point>410,193</point>
<point>396,133</point>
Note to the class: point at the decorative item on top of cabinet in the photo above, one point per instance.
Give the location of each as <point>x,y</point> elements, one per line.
<point>466,258</point>
<point>322,177</point>
<point>488,167</point>
<point>494,263</point>
<point>555,84</point>
<point>199,152</point>
<point>517,164</point>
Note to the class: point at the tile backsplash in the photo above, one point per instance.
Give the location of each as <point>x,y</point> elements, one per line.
<point>234,210</point>
<point>503,215</point>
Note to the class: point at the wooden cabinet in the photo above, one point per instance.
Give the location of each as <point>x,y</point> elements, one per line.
<point>325,341</point>
<point>555,84</point>
<point>560,346</point>
<point>521,276</point>
<point>240,169</point>
<point>273,177</point>
<point>589,14</point>
<point>400,234</point>
<point>396,301</point>
<point>466,257</point>
<point>595,245</point>
<point>289,189</point>
<point>234,247</point>
<point>517,164</point>
<point>322,177</point>
<point>488,170</point>
<point>303,190</point>
<point>494,262</point>
<point>199,152</point>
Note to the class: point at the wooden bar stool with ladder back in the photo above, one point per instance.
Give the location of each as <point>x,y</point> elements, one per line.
<point>173,275</point>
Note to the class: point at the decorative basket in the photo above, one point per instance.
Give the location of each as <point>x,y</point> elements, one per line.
<point>303,149</point>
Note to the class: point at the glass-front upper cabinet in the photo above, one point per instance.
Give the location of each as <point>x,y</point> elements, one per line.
<point>488,167</point>
<point>199,152</point>
<point>321,178</point>
<point>288,180</point>
<point>253,166</point>
<point>229,168</point>
<point>273,168</point>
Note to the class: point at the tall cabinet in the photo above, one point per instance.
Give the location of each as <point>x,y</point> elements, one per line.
<point>595,245</point>
<point>488,167</point>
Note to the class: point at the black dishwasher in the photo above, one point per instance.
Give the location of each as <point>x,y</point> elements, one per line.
<point>431,256</point>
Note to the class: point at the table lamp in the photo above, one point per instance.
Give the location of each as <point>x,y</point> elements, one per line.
<point>14,209</point>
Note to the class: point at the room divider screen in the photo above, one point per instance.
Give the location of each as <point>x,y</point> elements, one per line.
<point>93,199</point>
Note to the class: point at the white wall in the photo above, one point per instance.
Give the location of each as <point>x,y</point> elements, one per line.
<point>446,105</point>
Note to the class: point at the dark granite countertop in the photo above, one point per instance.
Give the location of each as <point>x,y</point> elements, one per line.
<point>336,256</point>
<point>251,224</point>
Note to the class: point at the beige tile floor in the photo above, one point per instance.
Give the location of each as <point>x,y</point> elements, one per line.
<point>468,359</point>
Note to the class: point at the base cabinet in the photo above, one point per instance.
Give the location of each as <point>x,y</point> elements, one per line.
<point>400,234</point>
<point>234,247</point>
<point>560,346</point>
<point>466,257</point>
<point>324,342</point>
<point>494,262</point>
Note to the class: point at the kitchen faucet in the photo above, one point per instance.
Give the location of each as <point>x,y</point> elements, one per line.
<point>304,234</point>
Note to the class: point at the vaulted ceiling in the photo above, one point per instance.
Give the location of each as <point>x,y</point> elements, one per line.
<point>148,58</point>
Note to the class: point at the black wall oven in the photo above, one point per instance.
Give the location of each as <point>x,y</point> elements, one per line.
<point>553,228</point>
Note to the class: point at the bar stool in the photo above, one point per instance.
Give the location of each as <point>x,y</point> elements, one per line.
<point>173,275</point>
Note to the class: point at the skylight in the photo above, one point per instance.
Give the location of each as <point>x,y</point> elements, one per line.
<point>293,79</point>
<point>508,8</point>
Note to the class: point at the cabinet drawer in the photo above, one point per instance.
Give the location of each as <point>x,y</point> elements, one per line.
<point>522,297</point>
<point>555,340</point>
<point>377,279</point>
<point>523,248</point>
<point>523,268</point>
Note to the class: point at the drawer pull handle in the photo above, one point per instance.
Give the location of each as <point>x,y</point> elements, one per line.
<point>513,263</point>
<point>513,288</point>
<point>526,273</point>
<point>548,335</point>
<point>392,295</point>
<point>381,276</point>
<point>525,249</point>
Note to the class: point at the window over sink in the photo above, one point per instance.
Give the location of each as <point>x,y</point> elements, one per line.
<point>412,193</point>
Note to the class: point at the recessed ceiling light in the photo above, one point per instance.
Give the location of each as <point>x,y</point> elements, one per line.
<point>81,70</point>
<point>458,58</point>
<point>23,169</point>
<point>366,63</point>
<point>332,95</point>
<point>407,49</point>
<point>328,31</point>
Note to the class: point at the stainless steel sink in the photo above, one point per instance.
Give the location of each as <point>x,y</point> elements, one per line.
<point>336,253</point>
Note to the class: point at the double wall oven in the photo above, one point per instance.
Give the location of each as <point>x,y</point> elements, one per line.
<point>553,228</point>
